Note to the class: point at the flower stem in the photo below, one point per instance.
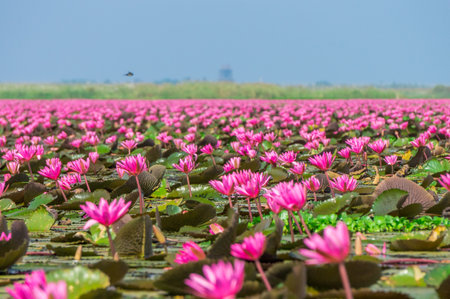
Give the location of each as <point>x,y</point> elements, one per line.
<point>62,191</point>
<point>31,172</point>
<point>189,185</point>
<point>304,224</point>
<point>315,196</point>
<point>258,205</point>
<point>249,210</point>
<point>263,275</point>
<point>290,227</point>
<point>141,199</point>
<point>87,185</point>
<point>229,199</point>
<point>329,184</point>
<point>111,243</point>
<point>296,222</point>
<point>345,281</point>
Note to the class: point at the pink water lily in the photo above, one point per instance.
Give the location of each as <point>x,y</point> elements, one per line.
<point>191,252</point>
<point>105,214</point>
<point>222,280</point>
<point>37,287</point>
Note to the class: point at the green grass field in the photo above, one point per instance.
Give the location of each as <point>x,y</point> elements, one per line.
<point>212,90</point>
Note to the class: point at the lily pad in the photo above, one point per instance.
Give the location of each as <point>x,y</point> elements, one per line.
<point>14,249</point>
<point>115,270</point>
<point>40,220</point>
<point>413,243</point>
<point>361,274</point>
<point>81,198</point>
<point>200,214</point>
<point>135,237</point>
<point>80,280</point>
<point>387,201</point>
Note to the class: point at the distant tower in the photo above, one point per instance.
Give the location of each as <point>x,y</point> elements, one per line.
<point>226,74</point>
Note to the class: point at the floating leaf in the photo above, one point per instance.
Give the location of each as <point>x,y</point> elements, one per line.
<point>135,237</point>
<point>222,246</point>
<point>437,275</point>
<point>80,280</point>
<point>6,204</point>
<point>115,270</point>
<point>387,201</point>
<point>15,248</point>
<point>416,242</point>
<point>361,274</point>
<point>40,220</point>
<point>42,199</point>
<point>409,277</point>
<point>81,198</point>
<point>200,214</point>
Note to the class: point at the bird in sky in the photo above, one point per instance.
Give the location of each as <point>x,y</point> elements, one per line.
<point>129,74</point>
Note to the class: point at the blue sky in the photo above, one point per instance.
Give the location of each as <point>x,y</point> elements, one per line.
<point>286,41</point>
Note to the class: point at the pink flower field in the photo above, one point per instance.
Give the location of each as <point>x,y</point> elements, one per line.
<point>225,198</point>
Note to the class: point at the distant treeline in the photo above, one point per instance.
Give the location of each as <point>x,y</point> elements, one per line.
<point>212,90</point>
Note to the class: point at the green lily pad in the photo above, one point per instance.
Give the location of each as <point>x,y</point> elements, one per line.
<point>387,201</point>
<point>42,199</point>
<point>200,214</point>
<point>6,204</point>
<point>416,242</point>
<point>80,280</point>
<point>437,275</point>
<point>115,270</point>
<point>222,246</point>
<point>40,220</point>
<point>135,237</point>
<point>15,248</point>
<point>81,198</point>
<point>361,274</point>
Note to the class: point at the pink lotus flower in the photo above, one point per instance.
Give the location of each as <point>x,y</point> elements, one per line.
<point>5,236</point>
<point>191,252</point>
<point>312,184</point>
<point>129,145</point>
<point>80,166</point>
<point>444,180</point>
<point>292,197</point>
<point>345,153</point>
<point>373,250</point>
<point>251,249</point>
<point>270,157</point>
<point>66,181</point>
<point>13,167</point>
<point>105,214</point>
<point>111,139</point>
<point>344,183</point>
<point>288,157</point>
<point>333,247</point>
<point>93,156</point>
<point>298,168</point>
<point>37,287</point>
<point>207,149</point>
<point>185,165</point>
<point>323,161</point>
<point>391,160</point>
<point>233,163</point>
<point>52,170</point>
<point>226,186</point>
<point>190,149</point>
<point>379,146</point>
<point>220,281</point>
<point>133,165</point>
<point>215,229</point>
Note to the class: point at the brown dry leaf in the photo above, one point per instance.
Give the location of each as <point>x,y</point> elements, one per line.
<point>78,253</point>
<point>377,176</point>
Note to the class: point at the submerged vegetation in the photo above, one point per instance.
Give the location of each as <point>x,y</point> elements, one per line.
<point>225,199</point>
